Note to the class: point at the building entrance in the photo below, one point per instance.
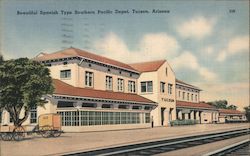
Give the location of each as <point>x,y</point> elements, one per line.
<point>162,116</point>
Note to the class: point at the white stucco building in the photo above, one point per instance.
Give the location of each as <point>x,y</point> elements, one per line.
<point>94,93</point>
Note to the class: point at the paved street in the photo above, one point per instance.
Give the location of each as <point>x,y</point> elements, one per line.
<point>70,142</point>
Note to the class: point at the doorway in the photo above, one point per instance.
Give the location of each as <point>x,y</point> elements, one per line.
<point>162,116</point>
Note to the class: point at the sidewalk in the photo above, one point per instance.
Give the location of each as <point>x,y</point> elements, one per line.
<point>72,142</point>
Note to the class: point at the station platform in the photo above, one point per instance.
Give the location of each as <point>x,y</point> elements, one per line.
<point>75,142</point>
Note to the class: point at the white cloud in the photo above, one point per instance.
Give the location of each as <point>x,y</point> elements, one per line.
<point>208,50</point>
<point>197,28</point>
<point>236,45</point>
<point>222,56</point>
<point>188,61</point>
<point>150,47</point>
<point>185,60</point>
<point>206,73</point>
<point>160,44</point>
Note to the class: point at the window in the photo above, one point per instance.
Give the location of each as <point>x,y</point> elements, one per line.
<point>84,118</point>
<point>131,86</point>
<point>75,118</point>
<point>147,117</point>
<point>188,96</point>
<point>183,95</point>
<point>62,104</point>
<point>109,83</point>
<point>166,71</point>
<point>147,108</point>
<point>89,105</point>
<point>33,115</point>
<point>162,87</point>
<point>65,73</point>
<point>91,118</point>
<point>179,94</point>
<point>123,106</point>
<point>170,86</point>
<point>136,107</point>
<point>196,98</point>
<point>146,86</point>
<point>120,84</point>
<point>89,79</point>
<point>192,97</point>
<point>106,106</point>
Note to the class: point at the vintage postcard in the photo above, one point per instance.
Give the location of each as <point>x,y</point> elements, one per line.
<point>116,77</point>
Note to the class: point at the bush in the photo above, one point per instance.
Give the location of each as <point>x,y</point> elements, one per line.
<point>183,122</point>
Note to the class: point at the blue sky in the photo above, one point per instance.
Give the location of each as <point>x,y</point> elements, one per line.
<point>206,42</point>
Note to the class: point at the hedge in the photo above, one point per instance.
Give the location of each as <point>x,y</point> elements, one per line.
<point>183,122</point>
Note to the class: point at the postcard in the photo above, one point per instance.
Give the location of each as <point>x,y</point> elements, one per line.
<point>120,77</point>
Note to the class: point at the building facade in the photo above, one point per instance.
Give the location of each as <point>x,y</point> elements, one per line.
<point>231,116</point>
<point>94,93</point>
<point>188,104</point>
<point>157,83</point>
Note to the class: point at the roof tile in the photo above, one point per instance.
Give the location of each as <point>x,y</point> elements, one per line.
<point>194,105</point>
<point>148,66</point>
<point>73,52</point>
<point>62,88</point>
<point>229,111</point>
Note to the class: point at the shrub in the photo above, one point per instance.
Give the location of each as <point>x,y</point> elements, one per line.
<point>183,122</point>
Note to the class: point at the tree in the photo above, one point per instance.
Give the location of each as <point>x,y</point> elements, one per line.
<point>247,111</point>
<point>233,107</point>
<point>1,59</point>
<point>220,104</point>
<point>23,83</point>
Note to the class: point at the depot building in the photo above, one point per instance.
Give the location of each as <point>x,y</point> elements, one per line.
<point>94,93</point>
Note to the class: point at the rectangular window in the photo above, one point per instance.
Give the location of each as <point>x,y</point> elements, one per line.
<point>75,118</point>
<point>84,118</point>
<point>170,87</point>
<point>120,85</point>
<point>196,99</point>
<point>91,118</point>
<point>183,95</point>
<point>162,87</point>
<point>146,86</point>
<point>147,117</point>
<point>117,117</point>
<point>105,118</point>
<point>67,119</point>
<point>188,96</point>
<point>192,97</point>
<point>179,94</point>
<point>33,115</point>
<point>65,73</point>
<point>109,83</point>
<point>131,86</point>
<point>63,104</point>
<point>89,79</point>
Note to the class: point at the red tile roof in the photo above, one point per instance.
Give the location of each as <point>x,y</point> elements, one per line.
<point>179,81</point>
<point>194,105</point>
<point>148,66</point>
<point>229,111</point>
<point>74,52</point>
<point>62,88</point>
